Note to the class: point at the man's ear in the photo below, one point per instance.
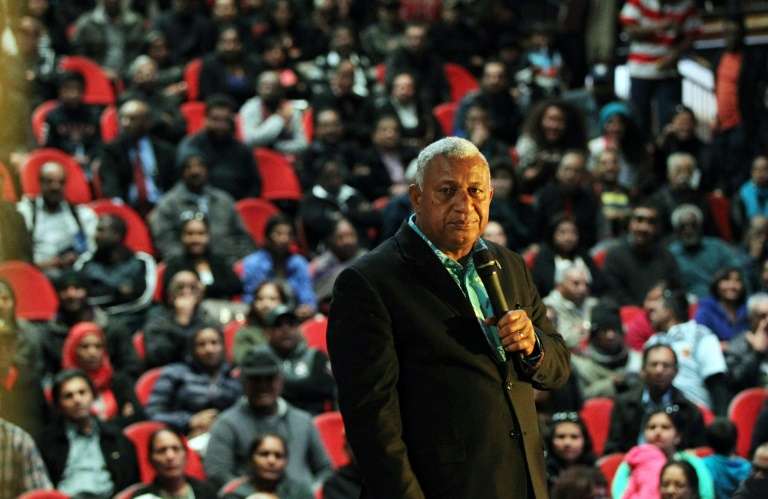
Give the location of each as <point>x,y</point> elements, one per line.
<point>415,194</point>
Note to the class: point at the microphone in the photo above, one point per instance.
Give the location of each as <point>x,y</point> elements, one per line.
<point>488,269</point>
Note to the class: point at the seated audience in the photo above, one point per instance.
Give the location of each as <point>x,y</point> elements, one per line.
<point>194,194</point>
<point>268,459</point>
<point>639,474</point>
<point>267,296</point>
<point>561,249</point>
<point>276,260</point>
<point>756,485</point>
<point>189,395</point>
<point>188,30</point>
<point>271,120</point>
<point>724,311</point>
<point>136,167</point>
<point>343,51</point>
<point>659,369</point>
<point>568,444</point>
<point>84,456</point>
<point>61,232</point>
<point>679,479</point>
<point>328,143</point>
<point>752,197</point>
<point>572,303</point>
<point>229,69</point>
<point>27,352</point>
<point>171,324</point>
<point>698,257</point>
<point>580,482</point>
<point>606,367</point>
<point>747,353</point>
<point>307,380</point>
<point>508,207</point>
<point>341,249</point>
<point>419,127</point>
<point>680,136</point>
<point>216,274</point>
<point>702,374</point>
<point>613,197</point>
<point>478,126</point>
<point>115,399</point>
<point>168,456</point>
<point>727,469</point>
<point>111,35</point>
<point>264,410</point>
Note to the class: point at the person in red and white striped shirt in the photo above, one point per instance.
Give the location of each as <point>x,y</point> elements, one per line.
<point>661,31</point>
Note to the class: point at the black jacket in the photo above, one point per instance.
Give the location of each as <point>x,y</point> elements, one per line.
<point>214,79</point>
<point>119,453</point>
<point>627,419</point>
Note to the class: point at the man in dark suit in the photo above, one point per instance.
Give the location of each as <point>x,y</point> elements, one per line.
<point>437,402</point>
<point>136,167</point>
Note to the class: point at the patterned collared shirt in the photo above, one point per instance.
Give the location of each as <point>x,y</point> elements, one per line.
<point>21,467</point>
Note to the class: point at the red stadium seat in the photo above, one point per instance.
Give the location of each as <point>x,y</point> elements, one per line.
<point>109,123</point>
<point>76,189</point>
<point>231,485</point>
<point>146,383</point>
<point>444,114</point>
<point>98,87</point>
<point>194,114</point>
<point>530,257</point>
<point>637,326</point>
<point>192,78</point>
<point>596,414</point>
<point>38,119</point>
<point>43,494</point>
<point>609,464</point>
<point>36,299</point>
<point>159,294</point>
<point>308,120</point>
<point>720,207</point>
<point>254,212</point>
<point>381,73</point>
<point>137,237</point>
<point>706,414</point>
<point>278,178</point>
<point>230,331</point>
<point>703,451</point>
<point>139,433</point>
<point>137,340</point>
<point>314,330</point>
<point>599,258</point>
<point>331,429</point>
<point>8,192</point>
<point>460,80</point>
<point>743,411</point>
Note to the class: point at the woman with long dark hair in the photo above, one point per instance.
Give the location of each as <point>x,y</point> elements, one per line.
<point>267,296</point>
<point>568,444</point>
<point>724,311</point>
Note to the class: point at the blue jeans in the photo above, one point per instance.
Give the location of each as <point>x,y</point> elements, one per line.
<point>667,93</point>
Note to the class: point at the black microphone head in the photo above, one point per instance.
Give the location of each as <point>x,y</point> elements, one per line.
<point>485,263</point>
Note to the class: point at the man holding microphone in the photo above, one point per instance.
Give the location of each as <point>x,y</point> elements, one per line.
<point>437,400</point>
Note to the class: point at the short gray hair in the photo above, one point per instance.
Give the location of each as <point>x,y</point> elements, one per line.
<point>673,158</point>
<point>448,147</point>
<point>754,301</point>
<point>138,63</point>
<point>48,166</point>
<point>562,273</point>
<point>685,210</point>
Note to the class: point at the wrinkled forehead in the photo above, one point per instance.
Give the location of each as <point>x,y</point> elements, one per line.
<point>469,167</point>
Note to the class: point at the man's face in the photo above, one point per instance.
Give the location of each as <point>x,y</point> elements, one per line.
<point>219,122</point>
<point>416,39</point>
<point>608,340</point>
<point>643,226</point>
<point>760,463</point>
<point>344,244</point>
<point>553,123</point>
<point>679,176</point>
<point>168,455</point>
<point>760,171</point>
<point>403,88</point>
<point>145,74</point>
<point>229,46</point>
<point>72,298</point>
<point>344,79</point>
<point>262,392</point>
<point>195,174</point>
<point>608,166</point>
<point>134,119</point>
<point>575,286</point>
<point>759,313</point>
<point>224,11</point>
<point>452,205</point>
<point>387,134</point>
<point>208,348</point>
<point>689,230</point>
<point>71,94</point>
<point>75,399</point>
<point>659,369</point>
<point>269,89</point>
<point>52,181</point>
<point>284,335</point>
<point>107,236</point>
<point>571,171</point>
<point>658,312</point>
<point>494,232</point>
<point>494,79</point>
<point>329,127</point>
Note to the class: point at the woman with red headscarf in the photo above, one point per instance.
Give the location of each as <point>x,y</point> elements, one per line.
<point>85,348</point>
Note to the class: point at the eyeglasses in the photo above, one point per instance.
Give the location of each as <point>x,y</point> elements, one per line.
<point>571,417</point>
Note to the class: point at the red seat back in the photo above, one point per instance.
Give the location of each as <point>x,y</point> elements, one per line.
<point>137,237</point>
<point>331,429</point>
<point>278,178</point>
<point>609,464</point>
<point>38,119</point>
<point>98,87</point>
<point>194,114</point>
<point>36,299</point>
<point>76,189</point>
<point>139,433</point>
<point>743,411</point>
<point>8,192</point>
<point>720,207</point>
<point>596,414</point>
<point>637,326</point>
<point>308,120</point>
<point>254,212</point>
<point>444,114</point>
<point>146,383</point>
<point>159,294</point>
<point>109,123</point>
<point>137,340</point>
<point>314,330</point>
<point>192,78</point>
<point>43,494</point>
<point>460,80</point>
<point>230,331</point>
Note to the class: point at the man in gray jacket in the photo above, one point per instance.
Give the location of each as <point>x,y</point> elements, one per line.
<point>263,410</point>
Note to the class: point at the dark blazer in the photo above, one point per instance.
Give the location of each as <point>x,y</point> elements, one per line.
<point>119,453</point>
<point>428,412</point>
<point>627,419</point>
<point>116,170</point>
